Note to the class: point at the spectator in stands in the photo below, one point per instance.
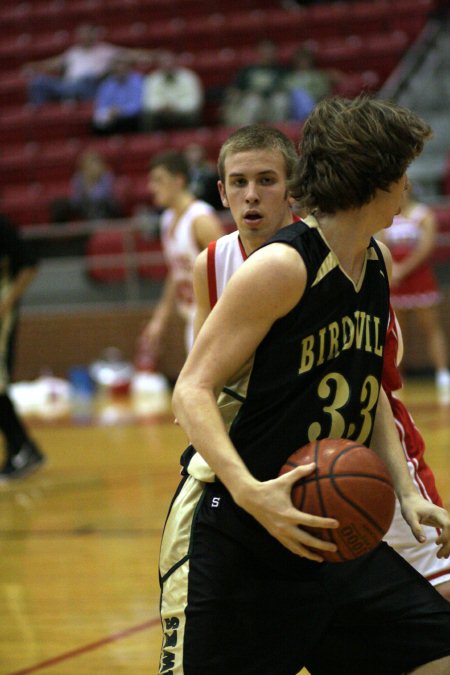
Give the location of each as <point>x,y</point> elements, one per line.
<point>18,264</point>
<point>257,94</point>
<point>118,101</point>
<point>414,288</point>
<point>306,84</point>
<point>173,95</point>
<point>203,175</point>
<point>92,192</point>
<point>75,74</point>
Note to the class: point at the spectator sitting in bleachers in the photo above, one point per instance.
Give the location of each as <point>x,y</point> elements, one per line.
<point>118,102</point>
<point>257,93</point>
<point>75,74</point>
<point>92,194</point>
<point>172,97</point>
<point>306,84</point>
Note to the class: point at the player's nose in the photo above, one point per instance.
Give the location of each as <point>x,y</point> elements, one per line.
<point>251,194</point>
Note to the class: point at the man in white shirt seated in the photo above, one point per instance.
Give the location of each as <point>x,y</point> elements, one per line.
<point>172,97</point>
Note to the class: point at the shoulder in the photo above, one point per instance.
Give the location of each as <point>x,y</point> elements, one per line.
<point>292,234</point>
<point>276,275</point>
<point>277,261</point>
<point>201,263</point>
<point>201,208</point>
<point>165,218</point>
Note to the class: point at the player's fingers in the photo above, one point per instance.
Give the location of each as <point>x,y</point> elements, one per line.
<point>412,518</point>
<point>291,477</point>
<point>439,518</point>
<point>311,541</point>
<point>309,547</point>
<point>443,540</point>
<point>309,520</point>
<point>417,531</point>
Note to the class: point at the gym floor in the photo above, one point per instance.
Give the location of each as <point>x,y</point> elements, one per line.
<point>79,539</point>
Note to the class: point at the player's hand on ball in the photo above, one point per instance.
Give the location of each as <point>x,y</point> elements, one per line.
<point>418,511</point>
<point>270,503</point>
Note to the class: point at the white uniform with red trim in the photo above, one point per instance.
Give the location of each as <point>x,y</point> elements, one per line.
<point>224,257</point>
<point>399,536</point>
<point>180,251</point>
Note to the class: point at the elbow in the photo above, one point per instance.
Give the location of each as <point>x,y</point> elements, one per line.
<point>179,397</point>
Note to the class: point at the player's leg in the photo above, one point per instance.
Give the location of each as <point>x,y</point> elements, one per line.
<point>421,556</point>
<point>22,454</point>
<point>224,608</point>
<point>388,618</point>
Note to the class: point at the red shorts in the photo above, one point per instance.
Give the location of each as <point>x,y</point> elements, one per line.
<point>418,289</point>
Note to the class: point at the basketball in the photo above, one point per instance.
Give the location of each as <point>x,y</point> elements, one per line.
<point>350,483</point>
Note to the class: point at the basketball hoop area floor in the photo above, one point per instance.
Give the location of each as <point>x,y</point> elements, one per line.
<point>79,540</point>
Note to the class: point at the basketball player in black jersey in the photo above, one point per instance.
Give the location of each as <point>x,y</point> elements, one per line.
<point>243,592</point>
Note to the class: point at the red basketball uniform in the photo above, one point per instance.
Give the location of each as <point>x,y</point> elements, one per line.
<point>421,556</point>
<point>419,288</point>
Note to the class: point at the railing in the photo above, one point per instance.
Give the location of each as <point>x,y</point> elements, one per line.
<point>107,262</point>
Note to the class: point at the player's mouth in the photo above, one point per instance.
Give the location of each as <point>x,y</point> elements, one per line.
<point>252,218</point>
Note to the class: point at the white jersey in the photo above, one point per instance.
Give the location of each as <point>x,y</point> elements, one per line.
<point>180,251</point>
<point>225,256</point>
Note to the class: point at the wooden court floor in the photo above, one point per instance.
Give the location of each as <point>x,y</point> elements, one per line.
<point>79,540</point>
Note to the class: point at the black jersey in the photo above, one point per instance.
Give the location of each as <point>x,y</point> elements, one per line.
<point>317,372</point>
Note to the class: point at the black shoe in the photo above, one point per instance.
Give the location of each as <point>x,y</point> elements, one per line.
<point>22,463</point>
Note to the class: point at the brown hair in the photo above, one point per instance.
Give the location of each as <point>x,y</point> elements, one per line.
<point>352,148</point>
<point>174,162</point>
<point>258,137</point>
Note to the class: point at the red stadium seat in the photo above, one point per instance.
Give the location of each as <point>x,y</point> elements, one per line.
<point>25,204</point>
<point>105,253</point>
<point>17,164</point>
<point>151,264</point>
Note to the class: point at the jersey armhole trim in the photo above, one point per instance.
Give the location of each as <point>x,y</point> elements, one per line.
<point>211,269</point>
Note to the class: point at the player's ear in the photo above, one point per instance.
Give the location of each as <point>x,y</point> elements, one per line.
<point>223,194</point>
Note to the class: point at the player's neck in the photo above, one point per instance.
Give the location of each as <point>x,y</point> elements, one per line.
<point>181,203</point>
<point>348,236</point>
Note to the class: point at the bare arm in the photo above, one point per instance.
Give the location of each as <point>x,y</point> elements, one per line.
<point>428,227</point>
<point>415,509</point>
<point>201,291</point>
<point>385,442</point>
<point>206,228</point>
<point>17,289</point>
<point>232,332</point>
<point>155,329</point>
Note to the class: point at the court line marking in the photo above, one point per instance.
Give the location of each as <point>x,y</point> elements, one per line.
<point>89,647</point>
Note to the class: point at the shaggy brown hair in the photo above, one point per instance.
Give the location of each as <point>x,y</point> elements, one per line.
<point>352,148</point>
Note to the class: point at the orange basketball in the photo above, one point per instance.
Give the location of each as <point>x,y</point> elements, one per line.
<point>350,483</point>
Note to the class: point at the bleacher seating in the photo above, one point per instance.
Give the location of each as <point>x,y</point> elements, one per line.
<point>214,37</point>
